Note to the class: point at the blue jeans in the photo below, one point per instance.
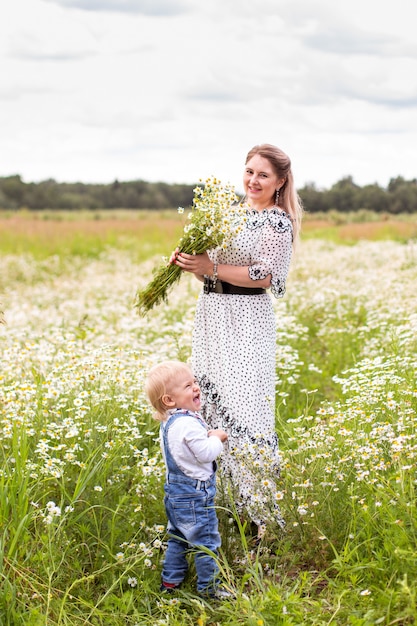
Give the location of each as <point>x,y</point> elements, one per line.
<point>192,524</point>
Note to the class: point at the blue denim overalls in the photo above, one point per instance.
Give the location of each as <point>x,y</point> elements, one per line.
<point>192,519</point>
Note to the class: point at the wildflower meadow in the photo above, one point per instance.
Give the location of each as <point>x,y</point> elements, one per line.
<point>82,523</point>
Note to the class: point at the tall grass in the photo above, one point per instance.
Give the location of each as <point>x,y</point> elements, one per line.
<point>65,234</point>
<point>82,526</point>
<point>349,227</point>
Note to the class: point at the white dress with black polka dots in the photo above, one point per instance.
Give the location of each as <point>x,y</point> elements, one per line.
<point>234,361</point>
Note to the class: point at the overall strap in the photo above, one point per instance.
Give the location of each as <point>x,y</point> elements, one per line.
<point>171,465</point>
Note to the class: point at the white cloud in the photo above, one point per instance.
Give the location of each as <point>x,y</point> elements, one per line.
<point>144,7</point>
<point>178,90</point>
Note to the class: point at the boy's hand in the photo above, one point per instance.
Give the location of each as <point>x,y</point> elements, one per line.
<point>218,432</point>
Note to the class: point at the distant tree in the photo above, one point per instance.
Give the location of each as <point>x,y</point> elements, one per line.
<point>395,183</point>
<point>403,195</point>
<point>44,194</point>
<point>313,199</point>
<point>14,190</point>
<point>344,195</point>
<point>374,198</point>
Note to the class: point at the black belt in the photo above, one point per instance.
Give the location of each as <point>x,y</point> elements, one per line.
<point>222,287</point>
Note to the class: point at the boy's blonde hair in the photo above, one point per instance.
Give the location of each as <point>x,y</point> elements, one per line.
<point>161,378</point>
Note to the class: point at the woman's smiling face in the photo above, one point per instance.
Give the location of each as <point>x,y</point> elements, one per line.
<point>260,182</point>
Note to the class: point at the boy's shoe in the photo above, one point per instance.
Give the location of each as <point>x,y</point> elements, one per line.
<point>168,588</point>
<point>220,593</point>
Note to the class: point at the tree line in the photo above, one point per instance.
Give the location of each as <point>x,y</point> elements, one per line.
<point>400,196</point>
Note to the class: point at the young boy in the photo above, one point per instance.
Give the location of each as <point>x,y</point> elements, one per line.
<point>189,451</point>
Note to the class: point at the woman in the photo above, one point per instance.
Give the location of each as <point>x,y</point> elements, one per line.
<point>235,335</point>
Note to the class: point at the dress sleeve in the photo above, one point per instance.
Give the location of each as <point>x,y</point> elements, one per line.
<point>272,252</point>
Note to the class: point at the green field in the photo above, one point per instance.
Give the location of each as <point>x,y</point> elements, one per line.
<point>82,525</point>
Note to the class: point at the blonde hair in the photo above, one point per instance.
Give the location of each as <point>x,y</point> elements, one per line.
<point>160,380</point>
<point>289,199</point>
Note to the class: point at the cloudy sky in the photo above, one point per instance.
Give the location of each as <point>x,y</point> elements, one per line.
<point>177,90</point>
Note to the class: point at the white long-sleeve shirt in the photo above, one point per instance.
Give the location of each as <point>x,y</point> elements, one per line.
<point>192,449</point>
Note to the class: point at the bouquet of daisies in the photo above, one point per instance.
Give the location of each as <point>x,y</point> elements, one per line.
<point>215,217</point>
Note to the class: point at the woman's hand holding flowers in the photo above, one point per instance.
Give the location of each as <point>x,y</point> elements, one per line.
<point>198,264</point>
<point>216,216</point>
